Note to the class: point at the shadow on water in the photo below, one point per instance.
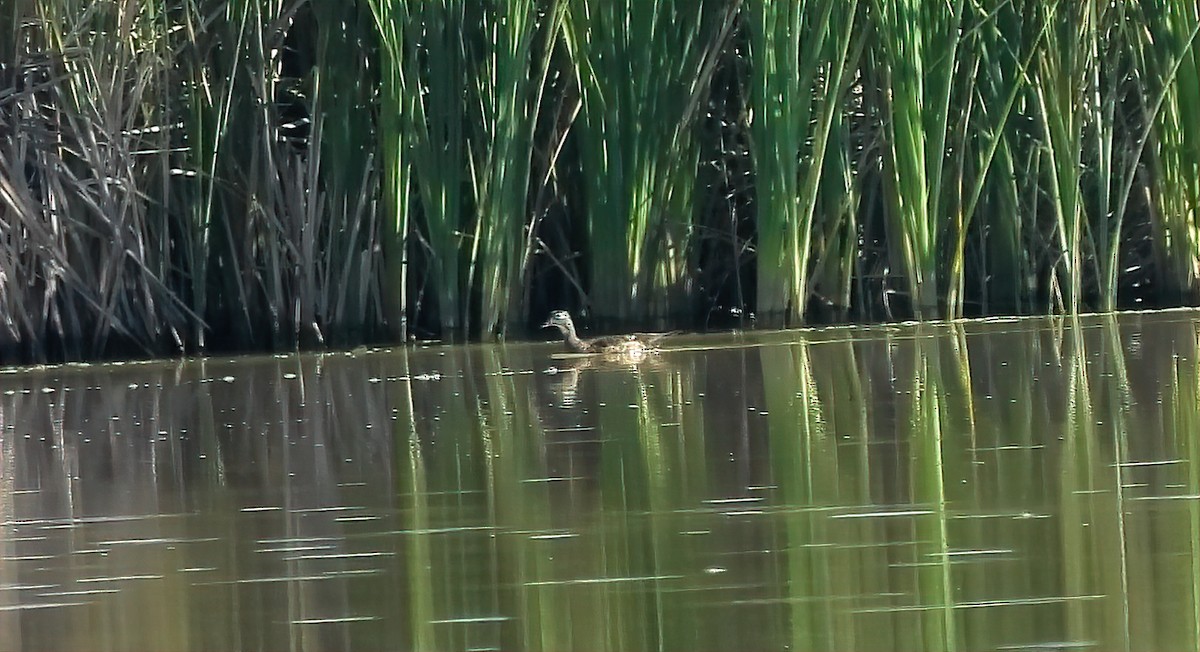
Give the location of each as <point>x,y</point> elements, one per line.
<point>1007,485</point>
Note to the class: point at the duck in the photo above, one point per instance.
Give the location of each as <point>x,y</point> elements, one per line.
<point>631,345</point>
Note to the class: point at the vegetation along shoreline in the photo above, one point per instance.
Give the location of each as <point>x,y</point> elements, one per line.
<point>182,176</point>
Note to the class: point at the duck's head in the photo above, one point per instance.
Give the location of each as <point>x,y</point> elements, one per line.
<point>560,319</point>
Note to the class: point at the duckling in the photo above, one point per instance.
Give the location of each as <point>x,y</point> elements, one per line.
<point>632,345</point>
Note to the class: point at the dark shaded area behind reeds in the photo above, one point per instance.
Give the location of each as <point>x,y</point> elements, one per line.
<point>183,175</point>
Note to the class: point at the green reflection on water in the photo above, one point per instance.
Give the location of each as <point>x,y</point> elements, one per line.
<point>986,485</point>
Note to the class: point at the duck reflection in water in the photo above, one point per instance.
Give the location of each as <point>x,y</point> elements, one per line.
<point>565,376</point>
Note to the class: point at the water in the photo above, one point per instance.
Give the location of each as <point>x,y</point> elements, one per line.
<point>1000,485</point>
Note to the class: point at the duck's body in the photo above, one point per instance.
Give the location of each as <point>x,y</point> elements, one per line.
<point>632,345</point>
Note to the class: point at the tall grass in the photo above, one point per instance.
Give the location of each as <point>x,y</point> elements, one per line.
<point>1000,50</point>
<point>918,53</point>
<point>84,247</point>
<point>642,70</point>
<point>800,53</point>
<point>396,165</point>
<point>1066,70</point>
<point>464,87</point>
<point>519,39</point>
<point>182,175</point>
<point>1007,44</point>
<point>343,224</point>
<point>836,246</point>
<point>437,124</point>
<point>231,148</point>
<point>1175,63</point>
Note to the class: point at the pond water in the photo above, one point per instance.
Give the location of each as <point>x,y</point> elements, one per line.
<point>994,485</point>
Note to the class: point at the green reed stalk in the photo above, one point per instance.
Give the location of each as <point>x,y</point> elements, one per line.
<point>206,107</point>
<point>391,17</point>
<point>1007,222</point>
<point>800,53</point>
<point>237,51</point>
<point>339,229</point>
<point>280,233</point>
<point>238,227</point>
<point>999,55</point>
<point>436,81</point>
<point>642,67</point>
<point>1067,89</point>
<point>918,45</point>
<point>508,87</point>
<point>1110,147</point>
<point>953,73</point>
<point>836,245</point>
<point>1170,34</point>
<point>1167,65</point>
<point>1062,127</point>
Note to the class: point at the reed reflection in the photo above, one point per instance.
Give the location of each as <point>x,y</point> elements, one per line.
<point>980,486</point>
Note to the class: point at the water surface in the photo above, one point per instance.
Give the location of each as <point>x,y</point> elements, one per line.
<point>1000,485</point>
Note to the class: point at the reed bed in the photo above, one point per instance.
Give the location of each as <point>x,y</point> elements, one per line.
<point>188,175</point>
<point>642,69</point>
<point>800,54</point>
<point>1171,29</point>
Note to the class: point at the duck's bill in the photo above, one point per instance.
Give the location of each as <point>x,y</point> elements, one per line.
<point>548,324</point>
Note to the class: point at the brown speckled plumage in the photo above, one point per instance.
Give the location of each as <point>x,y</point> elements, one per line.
<point>622,344</point>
